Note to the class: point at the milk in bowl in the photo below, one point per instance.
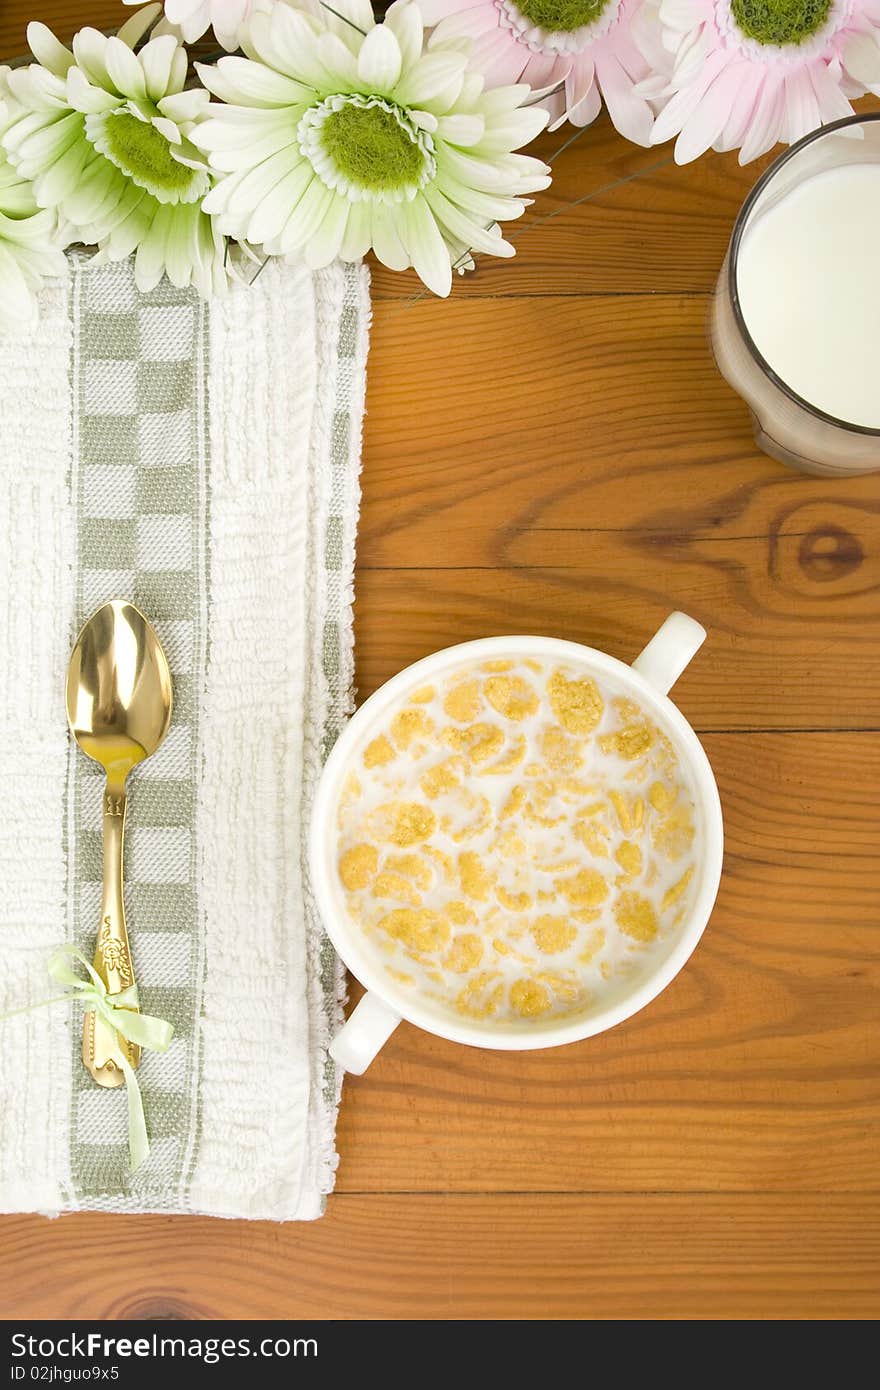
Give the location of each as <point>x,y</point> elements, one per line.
<point>517,841</point>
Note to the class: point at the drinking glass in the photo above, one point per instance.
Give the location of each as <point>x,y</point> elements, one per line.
<point>786,426</point>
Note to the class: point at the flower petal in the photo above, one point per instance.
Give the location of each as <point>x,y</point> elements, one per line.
<point>833,105</point>
<point>433,11</point>
<point>706,123</point>
<point>379,61</point>
<point>156,58</point>
<point>681,107</point>
<point>404,19</point>
<point>631,115</point>
<point>462,128</point>
<point>89,49</point>
<point>802,108</point>
<point>306,217</point>
<point>149,262</point>
<point>743,109</point>
<point>242,81</point>
<point>36,89</point>
<point>861,58</point>
<point>356,14</point>
<point>84,202</point>
<point>513,130</point>
<point>124,70</point>
<point>183,107</point>
<point>480,206</point>
<point>429,252</point>
<point>49,52</point>
<point>358,232</point>
<point>50,141</point>
<point>338,58</point>
<point>55,182</point>
<point>86,98</point>
<point>287,43</point>
<point>267,221</point>
<point>766,125</point>
<point>386,239</point>
<point>473,235</point>
<point>256,185</point>
<point>134,28</point>
<point>430,77</point>
<point>501,61</point>
<point>323,245</point>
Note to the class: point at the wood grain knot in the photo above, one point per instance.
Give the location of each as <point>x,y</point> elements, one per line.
<point>829,552</point>
<point>161,1308</point>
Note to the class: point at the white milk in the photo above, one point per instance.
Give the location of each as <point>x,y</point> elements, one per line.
<point>810,290</point>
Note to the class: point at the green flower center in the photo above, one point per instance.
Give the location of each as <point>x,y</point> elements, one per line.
<point>562,16</point>
<point>373,148</point>
<point>141,152</point>
<point>780,22</point>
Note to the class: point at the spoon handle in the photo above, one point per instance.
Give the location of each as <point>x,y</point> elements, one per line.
<point>102,1045</point>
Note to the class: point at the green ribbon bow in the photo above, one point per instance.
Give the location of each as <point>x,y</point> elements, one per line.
<point>117,1009</point>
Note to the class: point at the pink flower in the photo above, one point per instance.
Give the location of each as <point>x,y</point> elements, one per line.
<point>747,73</point>
<point>584,48</point>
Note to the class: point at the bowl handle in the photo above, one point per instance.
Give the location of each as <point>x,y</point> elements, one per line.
<point>367,1029</point>
<point>669,651</point>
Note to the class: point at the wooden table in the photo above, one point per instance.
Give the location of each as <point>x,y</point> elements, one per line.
<point>552,450</point>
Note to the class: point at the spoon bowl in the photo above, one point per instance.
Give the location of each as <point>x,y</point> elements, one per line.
<point>119,697</point>
<point>119,703</point>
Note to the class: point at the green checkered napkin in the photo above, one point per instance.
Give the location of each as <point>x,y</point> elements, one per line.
<point>200,460</point>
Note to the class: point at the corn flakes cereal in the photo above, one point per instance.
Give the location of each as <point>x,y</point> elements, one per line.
<point>552,934</point>
<point>577,704</point>
<point>519,839</point>
<point>463,702</point>
<point>511,696</point>
<point>410,724</point>
<point>358,865</point>
<point>378,753</point>
<point>478,741</point>
<point>475,881</point>
<point>464,954</point>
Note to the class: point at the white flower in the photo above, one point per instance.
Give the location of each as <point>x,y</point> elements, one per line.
<point>28,247</point>
<point>103,134</point>
<point>341,134</point>
<point>193,17</point>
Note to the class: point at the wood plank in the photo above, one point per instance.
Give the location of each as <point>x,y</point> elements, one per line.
<point>632,1257</point>
<point>495,430</point>
<point>553,450</point>
<point>62,16</point>
<point>590,496</point>
<point>755,1069</point>
<point>767,664</point>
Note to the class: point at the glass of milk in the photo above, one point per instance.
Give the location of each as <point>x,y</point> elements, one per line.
<point>796,315</point>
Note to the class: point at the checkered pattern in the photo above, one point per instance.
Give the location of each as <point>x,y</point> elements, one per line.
<point>138,484</point>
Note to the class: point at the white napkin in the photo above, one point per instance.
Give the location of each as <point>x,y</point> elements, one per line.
<point>203,462</point>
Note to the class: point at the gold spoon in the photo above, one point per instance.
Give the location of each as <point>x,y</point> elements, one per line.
<point>118,708</point>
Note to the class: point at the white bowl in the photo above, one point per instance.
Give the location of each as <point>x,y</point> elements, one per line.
<point>386,1002</point>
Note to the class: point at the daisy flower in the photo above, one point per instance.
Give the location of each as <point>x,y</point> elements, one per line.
<point>585,47</point>
<point>103,135</point>
<point>748,73</point>
<point>340,134</point>
<point>28,250</point>
<point>192,18</point>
